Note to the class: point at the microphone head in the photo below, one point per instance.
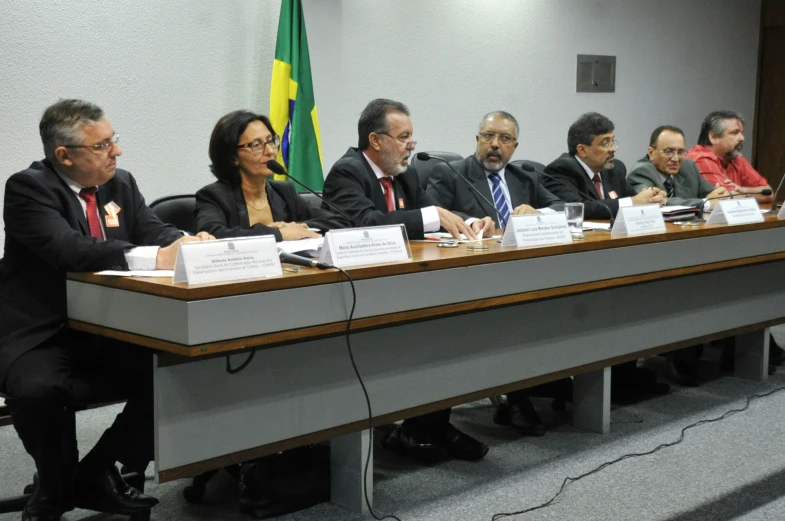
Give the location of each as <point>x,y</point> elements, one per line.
<point>423,156</point>
<point>765,191</point>
<point>275,167</point>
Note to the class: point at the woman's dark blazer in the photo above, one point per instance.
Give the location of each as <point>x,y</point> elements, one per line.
<point>221,211</point>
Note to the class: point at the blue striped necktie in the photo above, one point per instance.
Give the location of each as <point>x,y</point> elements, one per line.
<point>499,200</point>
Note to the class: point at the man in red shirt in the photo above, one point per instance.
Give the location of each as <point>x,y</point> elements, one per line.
<point>718,156</point>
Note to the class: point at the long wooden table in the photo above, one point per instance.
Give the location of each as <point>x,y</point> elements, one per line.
<point>449,327</point>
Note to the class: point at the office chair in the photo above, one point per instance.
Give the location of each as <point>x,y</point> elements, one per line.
<point>424,168</point>
<point>177,210</point>
<point>312,199</point>
<point>539,167</point>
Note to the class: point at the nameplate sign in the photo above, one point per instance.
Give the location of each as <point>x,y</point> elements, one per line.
<point>781,215</point>
<point>526,231</point>
<point>639,220</point>
<point>736,211</point>
<point>225,260</point>
<point>363,246</point>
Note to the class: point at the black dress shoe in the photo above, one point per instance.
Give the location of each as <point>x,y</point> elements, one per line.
<point>408,442</point>
<point>458,445</point>
<point>680,374</point>
<point>41,511</point>
<point>106,491</point>
<point>520,415</point>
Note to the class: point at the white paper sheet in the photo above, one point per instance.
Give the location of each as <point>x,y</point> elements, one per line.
<point>310,246</point>
<point>138,273</point>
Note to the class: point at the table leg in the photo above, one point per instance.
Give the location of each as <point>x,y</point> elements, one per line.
<point>752,356</point>
<point>347,464</point>
<point>592,401</point>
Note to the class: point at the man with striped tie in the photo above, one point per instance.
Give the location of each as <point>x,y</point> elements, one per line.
<point>512,190</point>
<point>666,167</point>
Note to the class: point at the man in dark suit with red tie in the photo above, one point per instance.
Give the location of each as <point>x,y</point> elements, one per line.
<point>373,184</point>
<point>589,174</point>
<point>75,211</point>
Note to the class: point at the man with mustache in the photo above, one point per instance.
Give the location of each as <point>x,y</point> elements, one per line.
<point>718,156</point>
<point>665,167</point>
<point>373,184</point>
<point>512,190</point>
<point>588,173</point>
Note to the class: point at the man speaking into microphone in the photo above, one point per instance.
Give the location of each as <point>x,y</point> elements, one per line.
<point>489,178</point>
<point>374,184</point>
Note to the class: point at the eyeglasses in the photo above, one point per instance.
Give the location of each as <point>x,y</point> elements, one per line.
<point>405,142</point>
<point>504,139</point>
<point>607,145</point>
<point>669,152</point>
<point>257,145</point>
<point>99,147</point>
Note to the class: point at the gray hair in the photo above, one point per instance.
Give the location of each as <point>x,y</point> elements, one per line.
<point>504,115</point>
<point>62,123</point>
<point>374,119</point>
<point>715,124</point>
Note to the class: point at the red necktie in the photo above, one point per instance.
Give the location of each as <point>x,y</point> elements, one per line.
<point>388,192</point>
<point>598,185</point>
<point>88,194</point>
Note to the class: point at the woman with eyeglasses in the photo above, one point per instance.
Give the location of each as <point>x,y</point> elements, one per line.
<point>245,201</point>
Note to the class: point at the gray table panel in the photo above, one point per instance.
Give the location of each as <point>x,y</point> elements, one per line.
<point>203,412</point>
<point>218,319</point>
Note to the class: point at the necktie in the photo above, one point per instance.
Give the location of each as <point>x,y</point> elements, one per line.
<point>88,194</point>
<point>388,192</point>
<point>669,186</point>
<point>499,200</point>
<point>598,185</point>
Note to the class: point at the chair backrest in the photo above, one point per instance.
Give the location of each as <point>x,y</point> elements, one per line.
<point>539,167</point>
<point>424,168</point>
<point>177,210</point>
<point>312,199</point>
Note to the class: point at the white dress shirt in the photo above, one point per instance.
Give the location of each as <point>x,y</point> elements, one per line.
<point>430,216</point>
<point>624,201</point>
<point>138,258</point>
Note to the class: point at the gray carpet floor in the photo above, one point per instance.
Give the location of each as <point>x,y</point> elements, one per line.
<point>729,470</point>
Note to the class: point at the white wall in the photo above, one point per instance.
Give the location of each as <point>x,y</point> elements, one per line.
<point>166,71</point>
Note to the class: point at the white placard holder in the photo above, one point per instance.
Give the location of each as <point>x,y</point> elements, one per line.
<point>529,230</point>
<point>224,260</point>
<point>353,247</point>
<point>780,215</point>
<point>736,211</point>
<point>639,220</point>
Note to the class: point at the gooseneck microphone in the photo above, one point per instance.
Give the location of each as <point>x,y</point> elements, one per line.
<point>425,156</point>
<point>276,168</point>
<point>297,260</point>
<point>765,191</point>
<point>530,168</point>
<point>773,210</point>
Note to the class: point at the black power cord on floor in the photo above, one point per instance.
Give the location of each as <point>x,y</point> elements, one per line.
<point>367,399</point>
<point>607,464</point>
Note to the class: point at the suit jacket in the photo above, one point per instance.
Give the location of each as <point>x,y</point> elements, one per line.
<point>573,179</point>
<point>352,186</point>
<point>689,187</point>
<point>47,236</point>
<point>455,195</point>
<point>221,211</point>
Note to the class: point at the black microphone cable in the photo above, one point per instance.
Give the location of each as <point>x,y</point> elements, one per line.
<point>367,399</point>
<point>569,480</point>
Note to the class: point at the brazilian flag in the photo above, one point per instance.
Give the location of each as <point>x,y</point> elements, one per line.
<point>292,102</point>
